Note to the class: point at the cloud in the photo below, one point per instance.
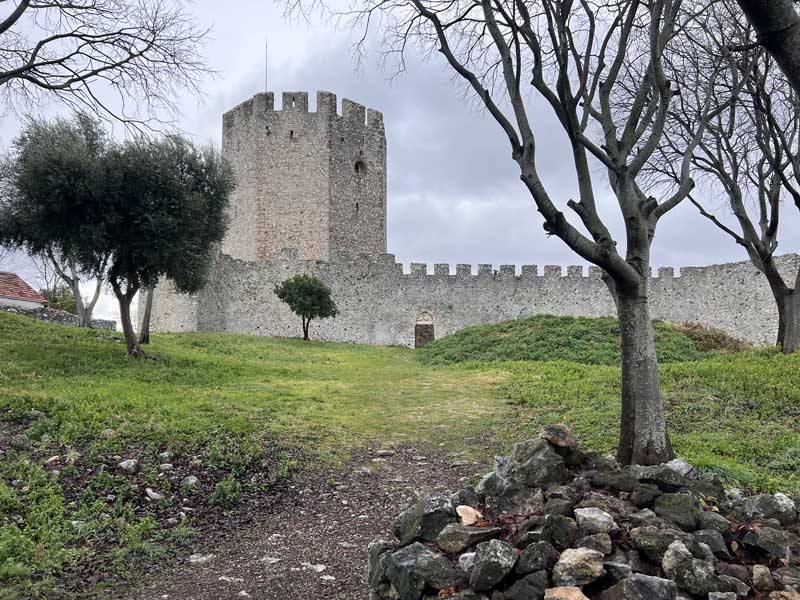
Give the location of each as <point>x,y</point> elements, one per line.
<point>454,191</point>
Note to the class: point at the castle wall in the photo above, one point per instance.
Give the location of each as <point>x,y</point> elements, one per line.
<point>358,181</point>
<point>379,304</point>
<point>315,181</point>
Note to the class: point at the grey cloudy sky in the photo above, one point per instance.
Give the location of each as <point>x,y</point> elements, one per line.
<point>454,192</point>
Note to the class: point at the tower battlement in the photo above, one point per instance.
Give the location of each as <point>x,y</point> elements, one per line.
<point>327,104</point>
<point>313,180</point>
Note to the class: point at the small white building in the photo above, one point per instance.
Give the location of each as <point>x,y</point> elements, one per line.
<point>15,292</point>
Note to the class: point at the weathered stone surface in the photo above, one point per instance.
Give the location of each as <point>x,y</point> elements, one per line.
<point>597,541</point>
<point>617,508</point>
<point>489,485</point>
<point>466,561</point>
<point>425,520</point>
<point>537,556</point>
<point>762,579</point>
<point>436,570</point>
<point>559,506</point>
<point>618,481</point>
<point>564,593</point>
<point>766,506</point>
<point>714,520</point>
<point>577,567</point>
<point>400,571</point>
<point>594,520</point>
<point>377,555</point>
<point>773,542</point>
<point>456,538</point>
<point>663,476</point>
<point>713,539</point>
<point>493,561</point>
<point>721,596</point>
<point>653,542</point>
<point>788,576</point>
<point>530,587</point>
<point>644,495</point>
<point>534,463</point>
<point>641,587</point>
<point>559,435</point>
<point>130,465</point>
<point>515,498</point>
<point>558,530</point>
<point>698,577</point>
<point>617,571</point>
<point>784,595</point>
<point>468,515</point>
<point>467,497</point>
<point>681,509</point>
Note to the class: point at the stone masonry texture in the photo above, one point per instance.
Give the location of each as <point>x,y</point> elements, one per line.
<point>311,198</point>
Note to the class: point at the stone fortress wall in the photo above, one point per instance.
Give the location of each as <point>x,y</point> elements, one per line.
<point>315,181</point>
<point>380,304</point>
<point>311,198</point>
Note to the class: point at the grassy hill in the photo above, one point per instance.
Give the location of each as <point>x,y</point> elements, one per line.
<point>577,339</point>
<point>241,413</point>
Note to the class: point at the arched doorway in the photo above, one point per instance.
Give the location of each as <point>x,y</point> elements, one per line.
<point>423,330</point>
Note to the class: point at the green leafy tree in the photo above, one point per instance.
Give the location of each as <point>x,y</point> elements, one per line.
<point>164,213</point>
<point>144,210</point>
<point>308,297</point>
<point>60,298</point>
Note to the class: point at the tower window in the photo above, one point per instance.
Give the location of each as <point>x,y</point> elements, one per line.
<point>291,134</point>
<point>356,207</point>
<point>360,168</point>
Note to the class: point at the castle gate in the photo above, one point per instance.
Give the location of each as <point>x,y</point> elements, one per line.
<point>423,330</point>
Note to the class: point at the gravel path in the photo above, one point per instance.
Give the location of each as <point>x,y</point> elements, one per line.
<point>311,543</point>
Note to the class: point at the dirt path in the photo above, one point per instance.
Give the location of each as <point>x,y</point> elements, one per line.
<point>312,544</point>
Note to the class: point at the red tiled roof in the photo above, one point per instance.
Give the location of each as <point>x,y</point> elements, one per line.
<point>12,286</point>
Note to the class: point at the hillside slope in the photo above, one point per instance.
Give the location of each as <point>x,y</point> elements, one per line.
<point>591,341</point>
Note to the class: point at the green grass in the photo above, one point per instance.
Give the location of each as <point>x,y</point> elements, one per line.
<point>591,341</point>
<point>239,406</point>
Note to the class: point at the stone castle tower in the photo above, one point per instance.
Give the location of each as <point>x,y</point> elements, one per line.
<point>314,181</point>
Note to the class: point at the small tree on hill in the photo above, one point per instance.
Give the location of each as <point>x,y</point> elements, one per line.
<point>308,297</point>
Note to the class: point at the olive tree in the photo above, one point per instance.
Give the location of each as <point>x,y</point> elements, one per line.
<point>165,210</point>
<point>51,183</point>
<point>599,66</point>
<point>142,210</point>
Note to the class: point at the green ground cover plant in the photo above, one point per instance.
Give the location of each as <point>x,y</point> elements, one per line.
<point>592,341</point>
<point>231,408</point>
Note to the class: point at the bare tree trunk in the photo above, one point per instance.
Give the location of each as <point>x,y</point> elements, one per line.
<point>124,299</point>
<point>89,308</point>
<point>306,323</point>
<point>778,27</point>
<point>144,334</point>
<point>791,318</point>
<point>643,435</point>
<point>75,286</point>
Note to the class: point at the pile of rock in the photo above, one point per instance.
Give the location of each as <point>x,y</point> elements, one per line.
<point>553,522</point>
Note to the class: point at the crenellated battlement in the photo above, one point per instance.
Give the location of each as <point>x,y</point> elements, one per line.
<point>311,198</point>
<point>263,103</point>
<point>485,271</point>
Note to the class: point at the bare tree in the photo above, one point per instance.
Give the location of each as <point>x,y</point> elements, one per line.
<point>72,276</point>
<point>122,59</point>
<point>749,154</point>
<point>777,27</point>
<point>599,65</point>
